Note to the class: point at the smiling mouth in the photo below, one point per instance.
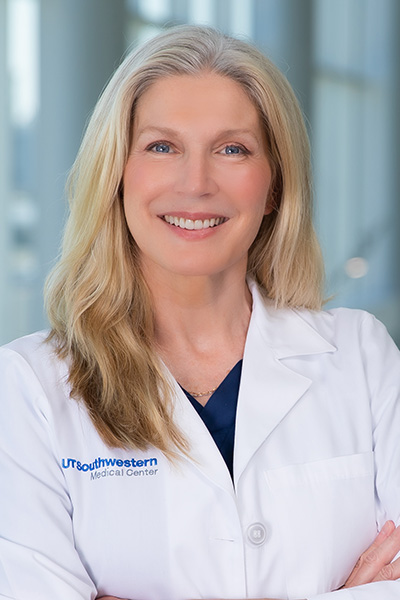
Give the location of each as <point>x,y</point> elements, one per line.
<point>194,223</point>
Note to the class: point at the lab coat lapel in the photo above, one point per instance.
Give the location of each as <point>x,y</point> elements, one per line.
<point>203,453</point>
<point>269,389</point>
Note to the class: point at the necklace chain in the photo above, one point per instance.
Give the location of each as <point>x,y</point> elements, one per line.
<point>208,393</point>
<point>200,394</point>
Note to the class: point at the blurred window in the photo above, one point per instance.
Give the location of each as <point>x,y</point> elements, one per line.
<point>342,59</point>
<point>18,205</point>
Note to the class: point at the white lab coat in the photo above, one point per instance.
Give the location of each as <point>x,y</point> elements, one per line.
<point>316,472</point>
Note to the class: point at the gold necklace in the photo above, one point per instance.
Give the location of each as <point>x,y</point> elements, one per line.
<point>208,393</point>
<point>200,394</point>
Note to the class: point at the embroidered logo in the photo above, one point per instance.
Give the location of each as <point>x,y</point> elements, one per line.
<point>113,467</point>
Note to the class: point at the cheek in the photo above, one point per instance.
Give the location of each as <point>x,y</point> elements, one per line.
<point>255,191</point>
<point>134,181</point>
<point>136,193</point>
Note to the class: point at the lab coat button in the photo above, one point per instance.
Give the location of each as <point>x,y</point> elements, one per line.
<point>257,534</point>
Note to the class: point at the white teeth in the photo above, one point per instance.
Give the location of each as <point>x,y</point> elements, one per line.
<point>191,224</point>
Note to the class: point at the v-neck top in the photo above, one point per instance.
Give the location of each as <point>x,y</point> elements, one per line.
<point>219,414</point>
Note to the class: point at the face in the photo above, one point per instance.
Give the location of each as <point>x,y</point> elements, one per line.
<point>197,178</point>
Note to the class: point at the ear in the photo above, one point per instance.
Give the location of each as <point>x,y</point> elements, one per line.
<point>270,204</point>
<point>269,207</point>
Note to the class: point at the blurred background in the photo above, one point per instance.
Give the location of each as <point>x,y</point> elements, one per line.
<point>341,56</point>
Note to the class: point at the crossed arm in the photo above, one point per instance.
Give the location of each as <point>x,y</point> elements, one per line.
<point>375,564</point>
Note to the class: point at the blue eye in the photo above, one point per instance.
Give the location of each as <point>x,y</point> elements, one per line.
<point>161,148</point>
<point>233,150</point>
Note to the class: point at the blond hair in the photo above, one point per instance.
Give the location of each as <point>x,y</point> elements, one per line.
<point>97,300</point>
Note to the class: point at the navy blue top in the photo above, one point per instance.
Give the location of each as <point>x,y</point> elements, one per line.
<point>219,414</point>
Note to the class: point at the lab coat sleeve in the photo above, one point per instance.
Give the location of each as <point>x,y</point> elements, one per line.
<point>381,358</point>
<point>38,559</point>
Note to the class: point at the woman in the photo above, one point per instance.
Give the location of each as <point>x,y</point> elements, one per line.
<point>190,280</point>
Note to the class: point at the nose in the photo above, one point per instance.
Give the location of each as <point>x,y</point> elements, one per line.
<point>196,176</point>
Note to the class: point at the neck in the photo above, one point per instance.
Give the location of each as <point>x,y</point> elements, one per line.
<point>199,312</point>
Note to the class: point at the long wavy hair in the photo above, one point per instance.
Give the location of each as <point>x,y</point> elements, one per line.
<point>97,300</point>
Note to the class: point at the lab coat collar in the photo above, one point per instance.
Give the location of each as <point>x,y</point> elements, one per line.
<point>268,389</point>
<point>284,330</point>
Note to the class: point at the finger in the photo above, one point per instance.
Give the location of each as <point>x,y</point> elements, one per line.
<point>389,572</point>
<point>384,533</point>
<point>374,563</point>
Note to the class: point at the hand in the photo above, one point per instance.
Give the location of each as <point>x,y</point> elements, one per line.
<point>375,564</point>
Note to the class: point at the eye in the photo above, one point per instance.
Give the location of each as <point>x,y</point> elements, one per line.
<point>160,148</point>
<point>234,149</point>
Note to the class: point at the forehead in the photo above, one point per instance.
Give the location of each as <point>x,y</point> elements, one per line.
<point>187,98</point>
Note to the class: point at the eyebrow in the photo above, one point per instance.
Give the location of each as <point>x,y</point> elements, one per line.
<point>225,132</point>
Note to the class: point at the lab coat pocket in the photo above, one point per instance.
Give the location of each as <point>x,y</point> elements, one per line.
<point>326,518</point>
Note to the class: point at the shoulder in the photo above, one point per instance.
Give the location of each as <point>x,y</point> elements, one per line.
<point>347,327</point>
<point>338,323</point>
<point>32,361</point>
<point>342,328</point>
<point>362,345</point>
<point>26,346</point>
